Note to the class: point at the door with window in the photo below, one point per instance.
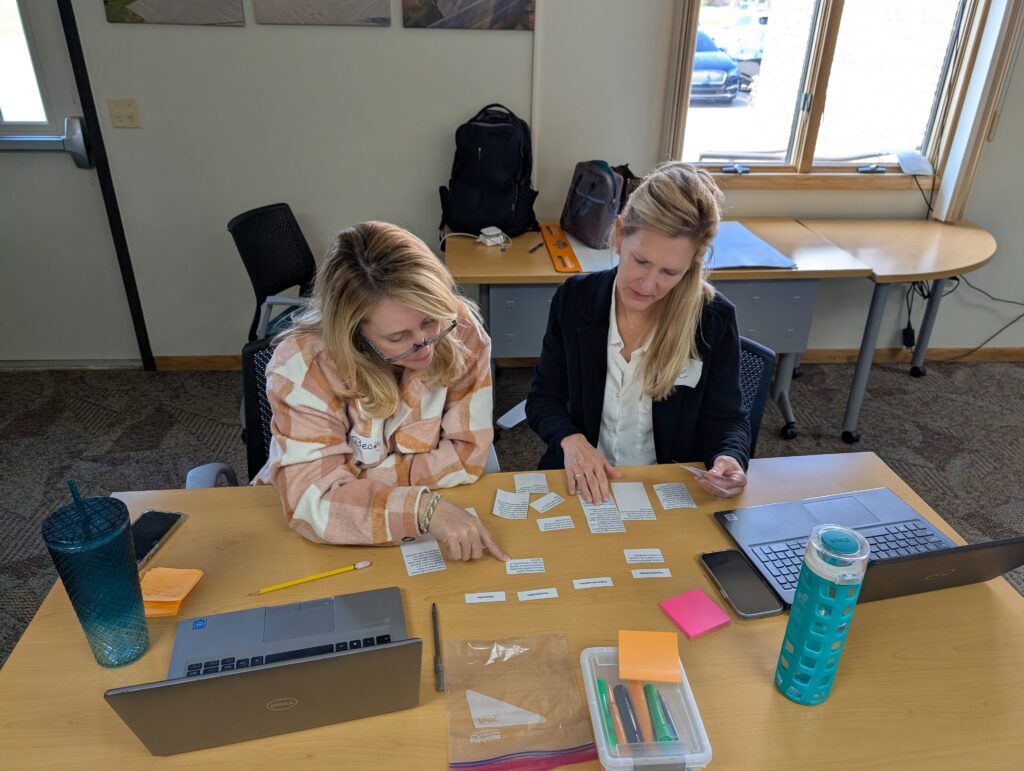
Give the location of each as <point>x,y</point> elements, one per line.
<point>61,294</point>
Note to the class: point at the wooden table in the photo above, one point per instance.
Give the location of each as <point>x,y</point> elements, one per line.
<point>929,681</point>
<point>773,307</point>
<point>901,251</point>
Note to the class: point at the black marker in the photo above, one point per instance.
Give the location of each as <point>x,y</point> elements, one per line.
<point>625,707</point>
<point>438,669</point>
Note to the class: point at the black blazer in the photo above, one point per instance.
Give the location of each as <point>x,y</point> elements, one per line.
<point>567,396</point>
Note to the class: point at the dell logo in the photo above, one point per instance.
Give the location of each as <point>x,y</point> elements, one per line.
<point>280,705</point>
<point>943,574</point>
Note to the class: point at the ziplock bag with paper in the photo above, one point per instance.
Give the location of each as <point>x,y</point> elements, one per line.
<point>514,704</point>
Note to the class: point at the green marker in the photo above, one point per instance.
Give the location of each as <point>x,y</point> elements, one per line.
<point>659,720</point>
<point>606,714</point>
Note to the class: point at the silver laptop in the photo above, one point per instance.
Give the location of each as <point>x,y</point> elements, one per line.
<point>267,671</point>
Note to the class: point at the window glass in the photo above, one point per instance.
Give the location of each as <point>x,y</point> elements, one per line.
<point>20,99</point>
<point>748,75</point>
<point>887,75</point>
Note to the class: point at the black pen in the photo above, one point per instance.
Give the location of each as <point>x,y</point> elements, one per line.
<point>535,248</point>
<point>438,669</point>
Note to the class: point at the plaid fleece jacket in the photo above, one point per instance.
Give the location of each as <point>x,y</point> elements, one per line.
<point>345,477</point>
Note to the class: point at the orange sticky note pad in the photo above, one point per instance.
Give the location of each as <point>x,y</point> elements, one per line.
<point>169,584</point>
<point>161,609</point>
<point>649,656</point>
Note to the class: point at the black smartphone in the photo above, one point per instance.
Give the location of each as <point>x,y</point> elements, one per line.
<point>150,530</point>
<point>740,584</point>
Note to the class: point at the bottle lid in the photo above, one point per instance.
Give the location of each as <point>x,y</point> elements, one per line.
<point>840,542</point>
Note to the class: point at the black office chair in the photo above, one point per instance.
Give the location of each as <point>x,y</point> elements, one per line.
<point>276,257</point>
<point>757,363</point>
<point>258,414</point>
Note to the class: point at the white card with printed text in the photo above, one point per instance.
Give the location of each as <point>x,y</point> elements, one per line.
<point>591,583</point>
<point>632,501</point>
<point>603,517</point>
<point>533,482</point>
<point>538,594</point>
<point>547,503</point>
<point>423,556</point>
<point>476,597</point>
<point>674,495</point>
<point>511,505</point>
<point>528,565</point>
<point>643,556</point>
<point>555,523</point>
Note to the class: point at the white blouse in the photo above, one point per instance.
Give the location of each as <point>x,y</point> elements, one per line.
<point>627,424</point>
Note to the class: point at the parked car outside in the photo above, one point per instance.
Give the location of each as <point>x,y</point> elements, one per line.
<point>716,76</point>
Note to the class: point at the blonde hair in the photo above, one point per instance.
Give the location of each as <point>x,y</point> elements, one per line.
<point>675,199</point>
<point>368,263</point>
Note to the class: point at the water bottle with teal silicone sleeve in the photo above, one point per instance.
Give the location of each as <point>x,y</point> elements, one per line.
<point>826,594</point>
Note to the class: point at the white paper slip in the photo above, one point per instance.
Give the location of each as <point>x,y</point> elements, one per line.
<point>555,523</point>
<point>632,500</point>
<point>531,483</point>
<point>472,512</point>
<point>603,517</point>
<point>510,505</point>
<point>642,556</point>
<point>485,597</point>
<point>538,594</point>
<point>591,583</point>
<point>674,495</point>
<point>423,556</point>
<point>528,565</point>
<point>547,503</point>
<point>652,573</point>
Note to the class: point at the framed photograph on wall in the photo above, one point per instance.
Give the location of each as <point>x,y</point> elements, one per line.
<point>207,13</point>
<point>348,13</point>
<point>469,14</point>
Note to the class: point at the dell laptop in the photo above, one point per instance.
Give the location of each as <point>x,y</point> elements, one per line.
<point>267,671</point>
<point>908,554</point>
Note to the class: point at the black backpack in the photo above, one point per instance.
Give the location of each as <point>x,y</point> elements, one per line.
<point>490,182</point>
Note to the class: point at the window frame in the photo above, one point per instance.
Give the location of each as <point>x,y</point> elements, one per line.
<point>803,174</point>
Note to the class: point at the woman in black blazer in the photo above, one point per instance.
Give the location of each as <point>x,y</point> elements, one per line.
<point>640,363</point>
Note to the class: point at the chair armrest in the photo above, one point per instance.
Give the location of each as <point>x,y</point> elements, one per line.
<point>514,416</point>
<point>283,299</point>
<point>209,474</point>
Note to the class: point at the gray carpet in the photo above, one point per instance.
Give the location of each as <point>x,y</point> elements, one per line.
<point>955,436</point>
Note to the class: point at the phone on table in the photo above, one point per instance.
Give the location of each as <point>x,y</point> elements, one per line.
<point>150,530</point>
<point>740,584</point>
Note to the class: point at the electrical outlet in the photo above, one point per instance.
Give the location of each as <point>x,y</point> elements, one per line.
<point>124,113</point>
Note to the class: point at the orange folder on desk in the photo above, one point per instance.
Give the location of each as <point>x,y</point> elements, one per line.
<point>649,656</point>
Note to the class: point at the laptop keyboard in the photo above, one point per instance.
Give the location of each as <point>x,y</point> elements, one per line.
<point>231,663</point>
<point>783,559</point>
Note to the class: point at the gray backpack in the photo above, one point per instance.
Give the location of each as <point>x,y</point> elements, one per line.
<point>592,203</point>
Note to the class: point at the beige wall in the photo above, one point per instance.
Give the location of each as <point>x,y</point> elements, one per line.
<point>353,123</point>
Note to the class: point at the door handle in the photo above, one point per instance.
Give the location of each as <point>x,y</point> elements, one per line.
<point>74,141</point>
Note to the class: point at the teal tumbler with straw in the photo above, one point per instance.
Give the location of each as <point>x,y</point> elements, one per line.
<point>91,546</point>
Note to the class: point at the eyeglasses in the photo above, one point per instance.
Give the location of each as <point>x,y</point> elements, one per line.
<point>416,348</point>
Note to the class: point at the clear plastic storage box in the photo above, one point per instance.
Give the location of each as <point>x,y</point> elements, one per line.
<point>692,750</point>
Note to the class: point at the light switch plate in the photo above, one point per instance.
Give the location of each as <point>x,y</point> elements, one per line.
<point>124,113</point>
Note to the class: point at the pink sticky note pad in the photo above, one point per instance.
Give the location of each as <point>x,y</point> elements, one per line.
<point>695,613</point>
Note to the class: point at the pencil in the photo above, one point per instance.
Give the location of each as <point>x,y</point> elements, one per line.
<point>325,574</point>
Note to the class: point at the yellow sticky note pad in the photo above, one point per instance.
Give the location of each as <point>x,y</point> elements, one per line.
<point>169,584</point>
<point>649,656</point>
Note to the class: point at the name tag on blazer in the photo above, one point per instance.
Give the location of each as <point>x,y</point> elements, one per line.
<point>366,449</point>
<point>690,375</point>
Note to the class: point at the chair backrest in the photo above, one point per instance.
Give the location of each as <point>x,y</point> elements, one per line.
<point>274,252</point>
<point>255,358</point>
<point>757,364</point>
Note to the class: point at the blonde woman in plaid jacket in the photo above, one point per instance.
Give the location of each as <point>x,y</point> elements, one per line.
<point>381,395</point>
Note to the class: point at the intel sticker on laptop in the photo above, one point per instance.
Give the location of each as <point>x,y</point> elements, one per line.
<point>199,623</point>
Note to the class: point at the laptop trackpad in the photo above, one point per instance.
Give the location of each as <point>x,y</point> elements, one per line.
<point>846,511</point>
<point>299,619</point>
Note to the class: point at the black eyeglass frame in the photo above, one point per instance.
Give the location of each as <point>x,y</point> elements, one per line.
<point>417,347</point>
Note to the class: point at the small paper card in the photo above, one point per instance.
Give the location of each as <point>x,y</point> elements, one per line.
<point>538,594</point>
<point>531,483</point>
<point>528,565</point>
<point>632,500</point>
<point>555,523</point>
<point>694,612</point>
<point>423,556</point>
<point>652,573</point>
<point>674,495</point>
<point>547,503</point>
<point>591,583</point>
<point>472,512</point>
<point>510,505</point>
<point>603,517</point>
<point>634,556</point>
<point>476,597</point>
<point>649,656</point>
